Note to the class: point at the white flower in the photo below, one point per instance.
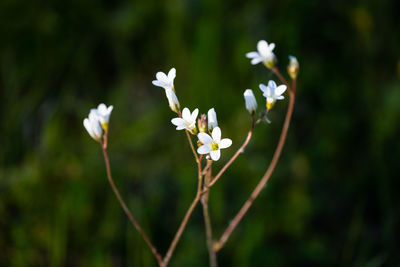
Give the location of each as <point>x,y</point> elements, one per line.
<point>172,100</point>
<point>188,120</point>
<point>272,93</point>
<point>103,113</point>
<point>251,103</point>
<point>213,145</point>
<point>212,119</point>
<point>264,54</point>
<point>165,81</point>
<point>92,125</point>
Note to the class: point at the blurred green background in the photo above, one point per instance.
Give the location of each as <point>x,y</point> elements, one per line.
<point>333,199</point>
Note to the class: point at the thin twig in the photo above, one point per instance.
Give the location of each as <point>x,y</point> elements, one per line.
<point>240,150</point>
<point>207,221</point>
<point>191,146</point>
<point>124,206</point>
<point>281,78</point>
<point>264,179</point>
<point>185,220</point>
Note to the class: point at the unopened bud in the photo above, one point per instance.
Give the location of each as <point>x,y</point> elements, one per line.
<point>250,100</point>
<point>202,123</point>
<point>212,119</point>
<point>293,67</point>
<point>172,100</point>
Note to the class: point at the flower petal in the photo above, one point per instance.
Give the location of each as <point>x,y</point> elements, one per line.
<point>172,74</point>
<point>280,89</point>
<point>215,155</point>
<point>158,83</point>
<point>205,138</point>
<point>271,46</point>
<point>226,142</point>
<point>272,84</point>
<point>264,88</point>
<point>178,122</point>
<point>204,149</point>
<point>194,115</point>
<point>256,60</point>
<point>162,77</point>
<point>216,134</point>
<point>252,54</point>
<point>262,47</point>
<point>186,114</point>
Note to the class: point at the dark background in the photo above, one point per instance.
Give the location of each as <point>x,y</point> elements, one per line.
<point>333,199</point>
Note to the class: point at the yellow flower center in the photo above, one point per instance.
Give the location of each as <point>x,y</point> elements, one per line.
<point>214,146</point>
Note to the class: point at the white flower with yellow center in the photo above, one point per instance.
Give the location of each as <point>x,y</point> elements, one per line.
<point>103,113</point>
<point>165,81</point>
<point>264,54</point>
<point>187,121</point>
<point>93,126</point>
<point>272,93</point>
<point>213,144</point>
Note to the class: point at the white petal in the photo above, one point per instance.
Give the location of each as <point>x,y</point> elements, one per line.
<point>110,108</point>
<point>186,114</point>
<point>215,155</point>
<point>172,74</point>
<point>204,149</point>
<point>272,84</point>
<point>226,142</point>
<point>212,119</point>
<point>279,97</point>
<point>158,83</point>
<point>194,115</point>
<point>271,46</point>
<point>264,88</point>
<point>178,122</point>
<point>88,127</point>
<point>270,100</point>
<point>262,47</point>
<point>205,138</point>
<point>162,77</point>
<point>216,134</point>
<point>280,89</point>
<point>252,55</point>
<point>102,108</point>
<point>256,60</point>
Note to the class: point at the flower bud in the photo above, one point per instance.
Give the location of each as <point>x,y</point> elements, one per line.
<point>212,119</point>
<point>202,123</point>
<point>293,67</point>
<point>172,100</point>
<point>250,100</point>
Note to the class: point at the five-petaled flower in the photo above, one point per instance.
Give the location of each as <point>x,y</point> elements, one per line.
<point>213,144</point>
<point>264,54</point>
<point>272,93</point>
<point>165,81</point>
<point>103,113</point>
<point>250,100</point>
<point>93,126</point>
<point>212,119</point>
<point>187,121</point>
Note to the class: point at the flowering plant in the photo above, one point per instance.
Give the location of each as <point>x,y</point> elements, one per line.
<point>208,136</point>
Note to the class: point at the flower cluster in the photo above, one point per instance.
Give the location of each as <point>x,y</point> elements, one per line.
<point>209,145</point>
<point>271,92</point>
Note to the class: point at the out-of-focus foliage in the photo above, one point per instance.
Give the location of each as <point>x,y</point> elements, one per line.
<point>333,199</point>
